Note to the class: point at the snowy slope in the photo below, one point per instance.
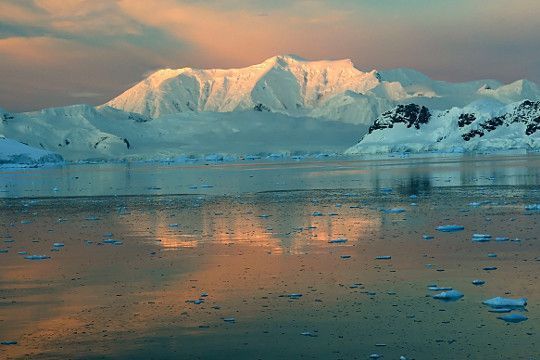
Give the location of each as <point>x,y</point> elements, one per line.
<point>14,152</point>
<point>480,126</point>
<point>83,132</point>
<point>334,90</point>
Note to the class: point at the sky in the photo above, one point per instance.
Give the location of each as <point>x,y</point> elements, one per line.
<point>61,52</point>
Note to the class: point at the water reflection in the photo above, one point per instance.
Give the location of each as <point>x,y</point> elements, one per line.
<point>416,174</point>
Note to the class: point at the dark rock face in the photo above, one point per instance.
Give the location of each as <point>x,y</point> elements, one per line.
<point>411,115</point>
<point>261,107</point>
<point>466,119</point>
<point>528,113</point>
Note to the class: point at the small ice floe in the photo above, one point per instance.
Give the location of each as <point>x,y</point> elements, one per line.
<point>316,213</point>
<point>532,207</point>
<point>344,257</point>
<point>489,268</point>
<point>481,237</point>
<point>439,288</point>
<point>294,296</point>
<point>450,228</point>
<point>113,242</point>
<point>501,302</point>
<point>37,257</point>
<point>513,318</point>
<point>427,237</point>
<point>502,238</point>
<point>337,241</point>
<point>393,211</point>
<point>478,282</point>
<point>383,257</point>
<point>58,245</point>
<point>451,295</point>
<point>229,320</point>
<point>8,342</point>
<point>491,255</point>
<point>308,333</point>
<point>500,310</point>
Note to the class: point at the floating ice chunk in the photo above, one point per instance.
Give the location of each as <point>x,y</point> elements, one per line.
<point>501,302</point>
<point>478,282</point>
<point>513,318</point>
<point>337,241</point>
<point>383,257</point>
<point>37,257</point>
<point>481,237</point>
<point>500,310</point>
<point>490,268</point>
<point>58,245</point>
<point>9,342</point>
<point>294,296</point>
<point>451,295</point>
<point>394,211</point>
<point>450,228</point>
<point>427,237</point>
<point>439,288</point>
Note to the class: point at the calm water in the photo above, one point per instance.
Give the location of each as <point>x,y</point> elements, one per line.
<point>208,274</point>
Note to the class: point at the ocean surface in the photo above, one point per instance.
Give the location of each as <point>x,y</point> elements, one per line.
<point>272,259</point>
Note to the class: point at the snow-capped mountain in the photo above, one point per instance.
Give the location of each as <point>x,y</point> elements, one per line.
<point>480,126</point>
<point>82,132</point>
<point>334,90</point>
<point>284,105</point>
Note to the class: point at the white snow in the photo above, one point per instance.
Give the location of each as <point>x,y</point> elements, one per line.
<point>14,152</point>
<point>443,133</point>
<point>288,84</point>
